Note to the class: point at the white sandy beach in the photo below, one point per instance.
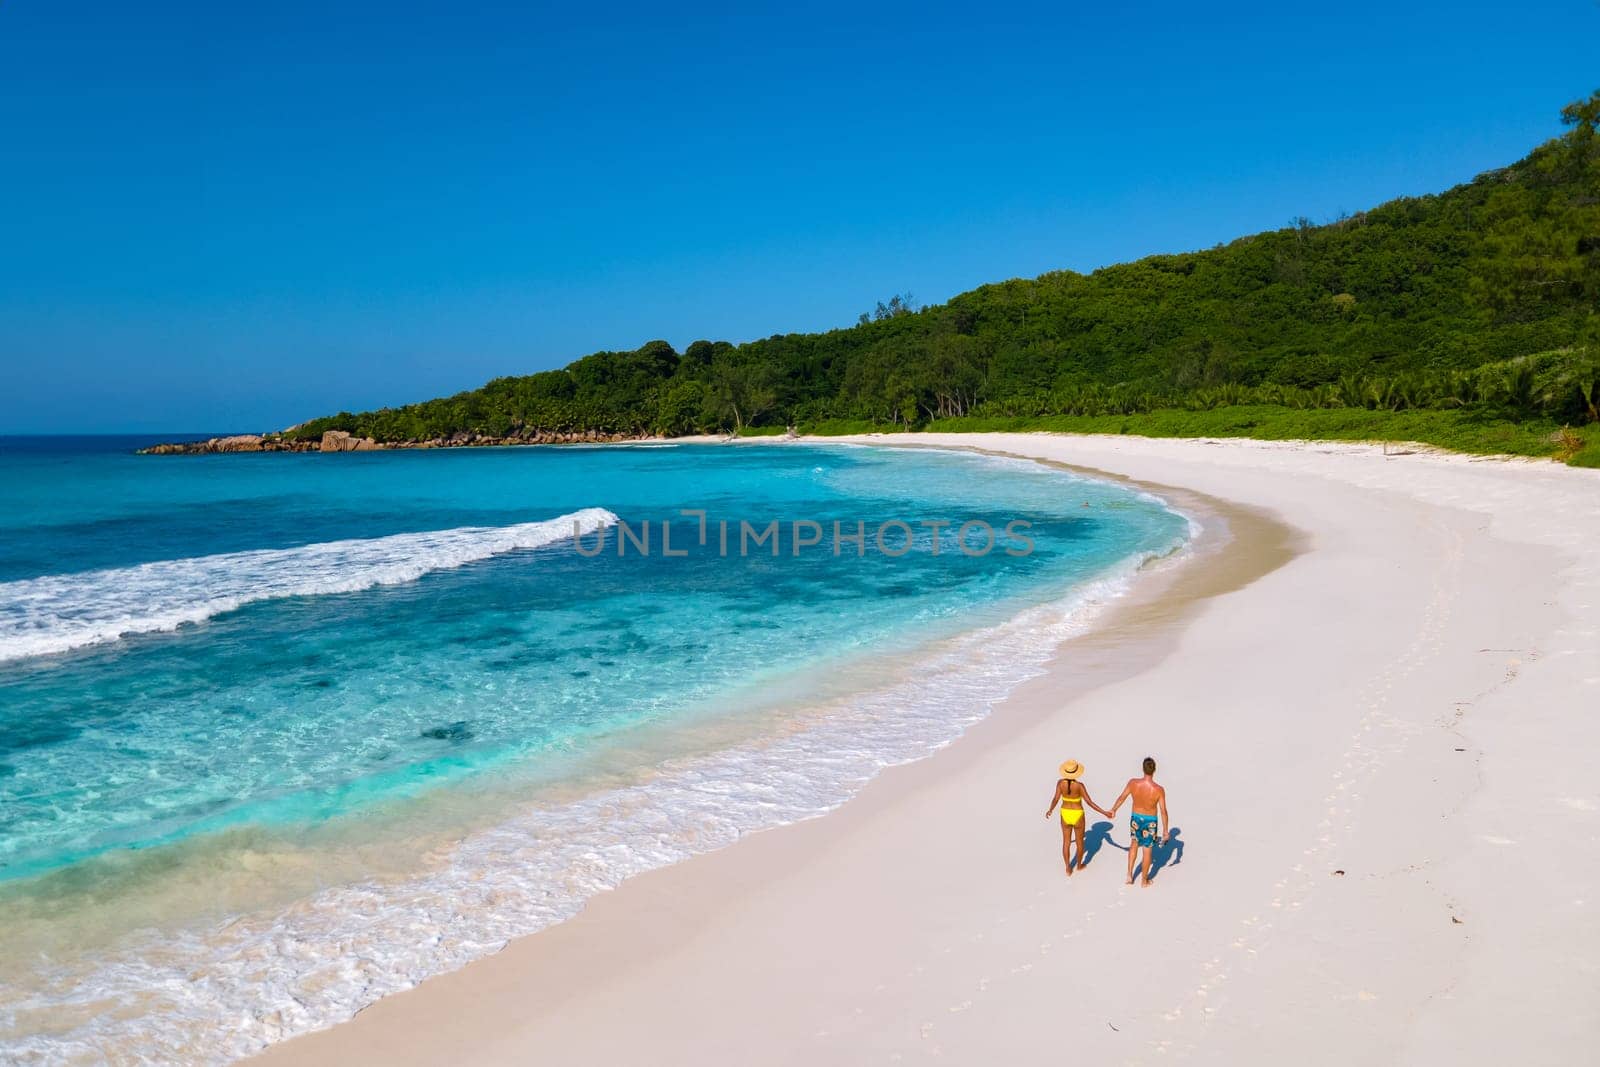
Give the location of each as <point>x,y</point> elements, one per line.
<point>1380,758</point>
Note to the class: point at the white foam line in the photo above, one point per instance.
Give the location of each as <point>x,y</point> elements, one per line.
<point>59,612</point>
<point>266,979</point>
<point>1004,459</point>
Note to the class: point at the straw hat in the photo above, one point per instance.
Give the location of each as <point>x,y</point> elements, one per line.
<point>1071,769</point>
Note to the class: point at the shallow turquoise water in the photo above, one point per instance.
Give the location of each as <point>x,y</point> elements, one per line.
<point>296,707</point>
<point>271,645</point>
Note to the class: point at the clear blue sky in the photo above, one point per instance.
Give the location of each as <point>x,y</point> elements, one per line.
<point>219,216</point>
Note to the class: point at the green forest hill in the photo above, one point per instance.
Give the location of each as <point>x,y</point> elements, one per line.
<point>1468,319</point>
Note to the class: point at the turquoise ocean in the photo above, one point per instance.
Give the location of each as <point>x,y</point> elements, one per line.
<point>280,734</point>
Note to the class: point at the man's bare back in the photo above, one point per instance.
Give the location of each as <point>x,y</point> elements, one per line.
<point>1146,795</point>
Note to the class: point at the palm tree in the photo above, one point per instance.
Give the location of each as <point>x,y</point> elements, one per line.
<point>1589,389</point>
<point>1517,388</point>
<point>1352,391</point>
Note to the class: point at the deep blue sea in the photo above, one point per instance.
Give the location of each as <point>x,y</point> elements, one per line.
<point>294,709</point>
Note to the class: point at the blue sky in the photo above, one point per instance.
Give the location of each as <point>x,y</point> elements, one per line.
<point>232,217</point>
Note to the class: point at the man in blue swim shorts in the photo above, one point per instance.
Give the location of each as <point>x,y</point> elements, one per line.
<point>1149,826</point>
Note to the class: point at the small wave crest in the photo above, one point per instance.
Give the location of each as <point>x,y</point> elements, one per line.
<point>271,976</point>
<point>59,612</point>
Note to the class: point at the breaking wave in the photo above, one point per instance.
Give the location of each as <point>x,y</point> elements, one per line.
<point>59,612</point>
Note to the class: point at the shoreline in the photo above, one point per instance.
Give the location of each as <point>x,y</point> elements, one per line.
<point>1394,688</point>
<point>341,441</point>
<point>1010,646</point>
<point>1130,632</point>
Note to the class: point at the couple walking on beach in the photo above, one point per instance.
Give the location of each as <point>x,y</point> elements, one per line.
<point>1149,826</point>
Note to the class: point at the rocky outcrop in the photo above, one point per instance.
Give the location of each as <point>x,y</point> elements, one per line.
<point>343,441</point>
<point>527,436</point>
<point>244,442</point>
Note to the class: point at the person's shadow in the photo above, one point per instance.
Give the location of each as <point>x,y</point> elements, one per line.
<point>1168,853</point>
<point>1094,839</point>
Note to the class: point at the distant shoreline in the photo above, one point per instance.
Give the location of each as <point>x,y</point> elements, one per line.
<point>1405,432</point>
<point>340,441</point>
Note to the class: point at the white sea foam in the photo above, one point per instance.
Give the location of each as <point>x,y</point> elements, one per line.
<point>55,613</point>
<point>220,994</point>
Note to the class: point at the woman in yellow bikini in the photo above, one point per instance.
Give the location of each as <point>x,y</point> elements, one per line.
<point>1072,795</point>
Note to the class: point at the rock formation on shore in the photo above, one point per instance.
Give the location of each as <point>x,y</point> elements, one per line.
<point>344,441</point>
<point>244,442</point>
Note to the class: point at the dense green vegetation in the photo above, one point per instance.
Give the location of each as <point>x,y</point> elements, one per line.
<point>1458,431</point>
<point>1468,319</point>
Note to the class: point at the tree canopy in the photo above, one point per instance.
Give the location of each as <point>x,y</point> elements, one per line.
<point>1440,300</point>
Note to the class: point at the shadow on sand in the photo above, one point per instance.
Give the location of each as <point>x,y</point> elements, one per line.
<point>1167,854</point>
<point>1095,838</point>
